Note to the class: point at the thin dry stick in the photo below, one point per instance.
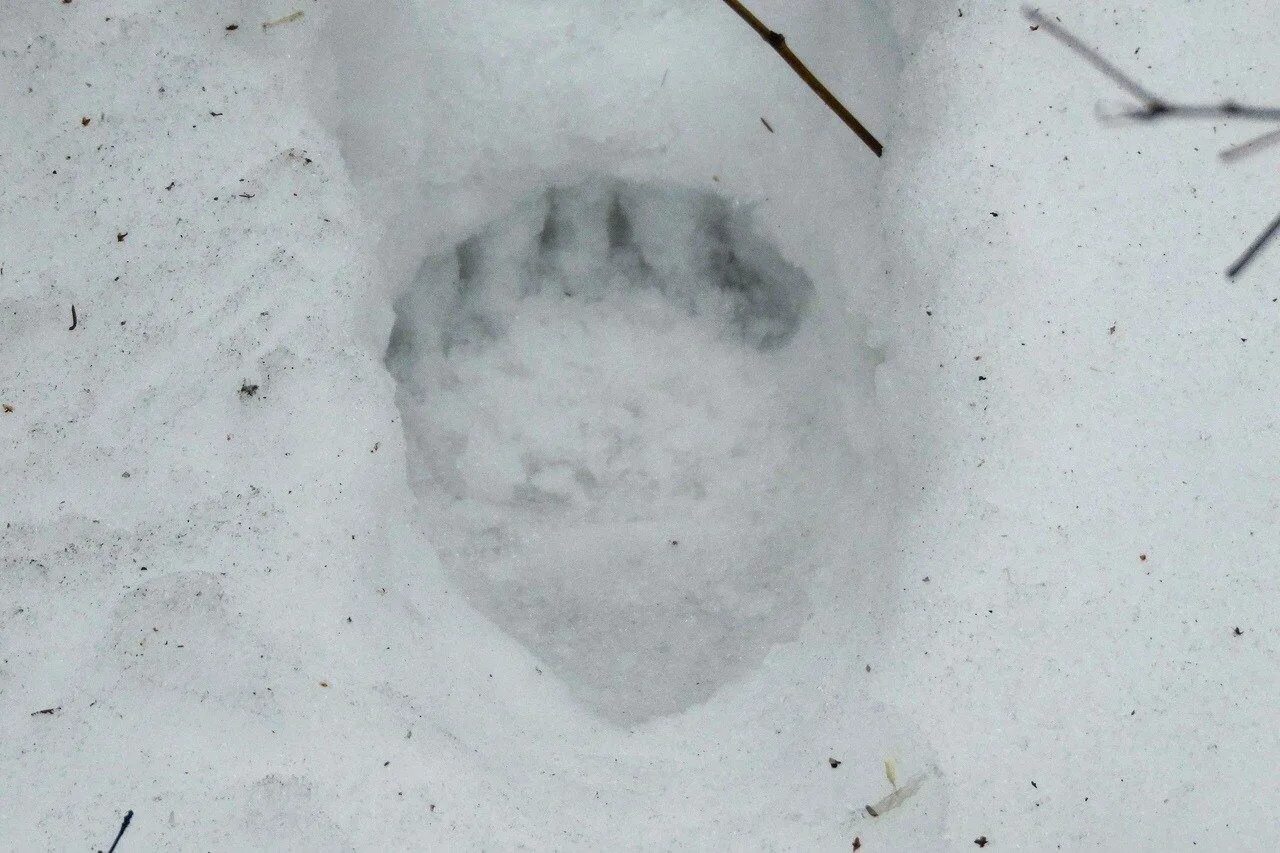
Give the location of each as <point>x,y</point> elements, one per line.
<point>1124,81</point>
<point>1243,261</point>
<point>128,817</point>
<point>1225,110</point>
<point>1154,107</point>
<point>1253,146</point>
<point>778,42</point>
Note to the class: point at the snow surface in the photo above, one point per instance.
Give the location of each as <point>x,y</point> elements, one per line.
<point>410,337</point>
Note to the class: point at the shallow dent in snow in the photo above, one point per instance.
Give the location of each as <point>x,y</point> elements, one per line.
<point>616,438</point>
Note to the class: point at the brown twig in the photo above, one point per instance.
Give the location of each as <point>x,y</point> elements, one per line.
<point>778,42</point>
<point>1154,107</point>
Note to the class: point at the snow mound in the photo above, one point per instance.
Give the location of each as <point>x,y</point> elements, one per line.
<point>613,439</point>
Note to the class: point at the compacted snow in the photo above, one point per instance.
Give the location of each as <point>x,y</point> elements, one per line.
<point>543,424</point>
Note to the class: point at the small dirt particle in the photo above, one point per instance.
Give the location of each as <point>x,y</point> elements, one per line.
<point>248,389</point>
<point>981,841</point>
<point>8,410</point>
<point>834,762</point>
<point>857,843</point>
<point>324,684</point>
<point>232,27</point>
<point>1142,557</point>
<point>120,235</point>
<point>84,122</point>
<point>766,124</point>
<point>1237,632</point>
<point>871,811</point>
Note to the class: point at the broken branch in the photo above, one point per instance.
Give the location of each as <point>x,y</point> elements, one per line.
<point>778,42</point>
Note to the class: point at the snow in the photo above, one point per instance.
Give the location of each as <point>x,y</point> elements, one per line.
<point>409,338</point>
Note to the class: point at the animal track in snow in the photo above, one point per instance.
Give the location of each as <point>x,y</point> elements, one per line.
<point>613,440</point>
